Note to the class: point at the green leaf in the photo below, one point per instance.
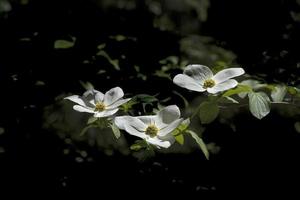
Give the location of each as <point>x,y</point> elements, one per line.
<point>64,44</point>
<point>182,127</point>
<point>101,46</point>
<point>278,93</point>
<point>208,111</point>
<point>115,130</point>
<point>200,143</point>
<point>237,90</point>
<point>180,139</point>
<point>138,145</point>
<point>146,98</point>
<point>259,104</point>
<point>227,100</point>
<point>293,90</point>
<point>92,120</point>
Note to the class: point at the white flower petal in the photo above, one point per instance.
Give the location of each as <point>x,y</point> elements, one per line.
<point>231,83</point>
<point>149,119</point>
<point>99,96</point>
<point>134,122</point>
<point>83,109</point>
<point>132,131</point>
<point>171,127</point>
<point>159,143</point>
<point>76,99</point>
<point>187,82</point>
<point>118,103</point>
<point>168,115</point>
<point>106,113</point>
<point>227,74</point>
<point>113,95</point>
<point>91,92</point>
<point>121,121</point>
<point>198,72</point>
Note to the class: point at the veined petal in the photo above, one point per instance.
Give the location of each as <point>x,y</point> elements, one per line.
<point>121,121</point>
<point>76,99</point>
<point>118,103</point>
<point>149,119</point>
<point>159,143</point>
<point>113,95</point>
<point>132,131</point>
<point>198,72</point>
<point>106,113</point>
<point>134,122</point>
<point>99,96</point>
<point>83,109</point>
<point>227,74</point>
<point>187,82</point>
<point>171,127</point>
<point>168,114</point>
<point>231,83</point>
<point>91,92</point>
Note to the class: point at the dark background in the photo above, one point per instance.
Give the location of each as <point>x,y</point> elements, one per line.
<point>259,156</point>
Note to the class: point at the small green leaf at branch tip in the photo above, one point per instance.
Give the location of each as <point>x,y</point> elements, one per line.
<point>200,143</point>
<point>293,90</point>
<point>278,93</point>
<point>64,44</point>
<point>115,130</point>
<point>239,89</point>
<point>138,145</point>
<point>180,139</point>
<point>181,128</point>
<point>259,104</point>
<point>208,111</point>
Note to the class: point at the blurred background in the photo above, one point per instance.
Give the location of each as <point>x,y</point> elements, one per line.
<point>52,49</point>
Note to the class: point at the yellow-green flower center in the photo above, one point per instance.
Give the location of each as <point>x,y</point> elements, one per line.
<point>209,83</point>
<point>151,130</point>
<point>100,106</point>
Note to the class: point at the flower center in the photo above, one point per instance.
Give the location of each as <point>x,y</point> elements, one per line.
<point>209,83</point>
<point>151,130</point>
<point>100,106</point>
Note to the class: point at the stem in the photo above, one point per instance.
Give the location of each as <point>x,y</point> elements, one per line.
<point>196,111</point>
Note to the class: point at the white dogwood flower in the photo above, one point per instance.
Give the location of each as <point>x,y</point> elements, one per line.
<point>155,129</point>
<point>200,78</point>
<point>99,104</point>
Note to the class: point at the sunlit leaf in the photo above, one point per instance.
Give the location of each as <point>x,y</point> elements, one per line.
<point>259,104</point>
<point>200,143</point>
<point>138,145</point>
<point>180,139</point>
<point>278,93</point>
<point>237,90</point>
<point>208,111</point>
<point>182,127</point>
<point>64,44</point>
<point>115,130</point>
